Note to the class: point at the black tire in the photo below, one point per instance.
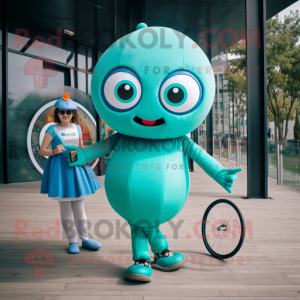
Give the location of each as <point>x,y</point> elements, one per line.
<point>229,211</point>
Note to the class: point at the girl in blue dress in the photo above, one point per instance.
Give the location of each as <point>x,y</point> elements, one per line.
<point>68,185</point>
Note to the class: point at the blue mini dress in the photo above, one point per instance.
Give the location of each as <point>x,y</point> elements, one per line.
<point>60,180</point>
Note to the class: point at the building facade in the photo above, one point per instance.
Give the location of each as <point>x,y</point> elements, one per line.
<point>41,66</point>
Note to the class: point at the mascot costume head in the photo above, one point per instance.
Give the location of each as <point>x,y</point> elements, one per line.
<point>155,83</point>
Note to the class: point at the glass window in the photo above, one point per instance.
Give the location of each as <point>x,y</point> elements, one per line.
<point>89,59</point>
<point>22,76</point>
<point>28,80</point>
<point>72,76</point>
<point>19,35</point>
<point>216,105</point>
<point>81,56</point>
<point>120,27</point>
<point>221,78</point>
<point>28,39</point>
<point>89,83</point>
<point>82,81</point>
<point>121,8</point>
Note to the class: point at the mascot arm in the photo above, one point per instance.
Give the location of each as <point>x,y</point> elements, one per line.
<point>90,153</point>
<point>225,177</point>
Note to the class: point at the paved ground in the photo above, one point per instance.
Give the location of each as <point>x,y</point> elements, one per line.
<point>268,265</point>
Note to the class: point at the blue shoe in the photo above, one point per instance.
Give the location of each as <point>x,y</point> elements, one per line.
<point>74,248</point>
<point>140,271</point>
<point>91,244</point>
<point>168,261</point>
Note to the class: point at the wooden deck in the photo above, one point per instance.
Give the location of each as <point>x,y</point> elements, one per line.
<point>268,265</point>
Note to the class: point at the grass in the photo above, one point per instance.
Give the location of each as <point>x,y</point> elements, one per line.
<point>291,164</point>
<point>292,184</point>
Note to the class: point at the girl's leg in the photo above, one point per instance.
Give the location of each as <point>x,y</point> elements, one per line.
<point>67,221</point>
<point>82,226</point>
<point>80,219</point>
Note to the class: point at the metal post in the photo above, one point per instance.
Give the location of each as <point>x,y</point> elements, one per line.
<point>209,127</point>
<point>279,164</point>
<point>76,66</point>
<point>95,60</point>
<point>257,163</point>
<point>5,93</point>
<point>194,135</point>
<point>240,150</point>
<point>228,149</point>
<point>209,133</point>
<point>220,147</point>
<point>237,150</point>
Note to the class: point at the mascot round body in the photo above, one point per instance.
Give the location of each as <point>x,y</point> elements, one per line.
<point>153,87</point>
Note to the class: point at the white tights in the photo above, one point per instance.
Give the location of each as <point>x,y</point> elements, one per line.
<point>67,210</point>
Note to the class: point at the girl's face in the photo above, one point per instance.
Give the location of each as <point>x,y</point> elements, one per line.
<point>65,116</point>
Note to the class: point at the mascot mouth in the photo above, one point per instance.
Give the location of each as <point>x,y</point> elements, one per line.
<point>149,123</point>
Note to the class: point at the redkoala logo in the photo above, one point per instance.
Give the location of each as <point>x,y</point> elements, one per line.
<point>39,258</point>
<point>40,69</point>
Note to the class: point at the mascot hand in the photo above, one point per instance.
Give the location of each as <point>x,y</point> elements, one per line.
<point>226,178</point>
<point>80,156</point>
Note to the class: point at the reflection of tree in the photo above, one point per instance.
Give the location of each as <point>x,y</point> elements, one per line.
<point>10,99</point>
<point>237,94</point>
<point>283,69</point>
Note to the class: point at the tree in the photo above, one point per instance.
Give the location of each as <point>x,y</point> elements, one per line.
<point>283,69</point>
<point>237,94</point>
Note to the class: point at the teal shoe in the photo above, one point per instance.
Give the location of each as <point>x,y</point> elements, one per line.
<point>91,244</point>
<point>168,261</point>
<point>74,248</point>
<point>140,271</point>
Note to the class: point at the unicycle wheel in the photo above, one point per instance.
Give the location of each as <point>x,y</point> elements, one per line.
<point>223,229</point>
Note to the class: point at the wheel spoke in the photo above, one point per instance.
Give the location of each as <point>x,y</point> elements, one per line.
<point>223,241</point>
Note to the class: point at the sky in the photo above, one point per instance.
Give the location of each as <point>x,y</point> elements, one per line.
<point>295,6</point>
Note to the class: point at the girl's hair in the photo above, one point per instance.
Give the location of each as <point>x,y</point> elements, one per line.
<point>57,119</point>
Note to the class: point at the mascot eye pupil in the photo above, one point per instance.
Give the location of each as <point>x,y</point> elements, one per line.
<point>125,91</point>
<point>175,95</point>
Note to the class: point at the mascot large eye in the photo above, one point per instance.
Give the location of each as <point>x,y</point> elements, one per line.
<point>180,92</point>
<point>121,89</point>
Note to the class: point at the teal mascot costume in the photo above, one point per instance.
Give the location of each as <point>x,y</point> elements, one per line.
<point>152,87</point>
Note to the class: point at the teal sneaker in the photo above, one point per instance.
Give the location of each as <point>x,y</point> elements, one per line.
<point>168,261</point>
<point>140,271</point>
